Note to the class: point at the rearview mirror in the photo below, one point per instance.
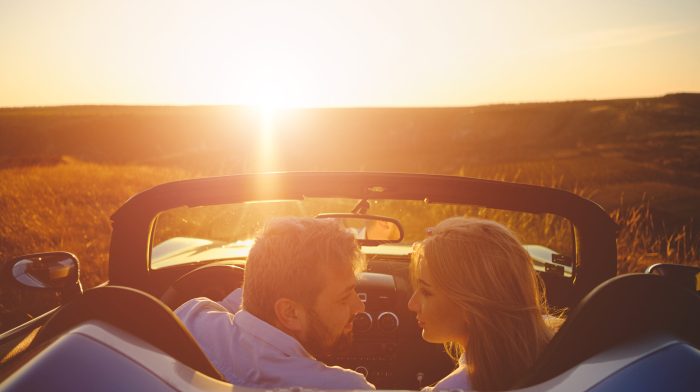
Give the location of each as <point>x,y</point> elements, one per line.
<point>682,275</point>
<point>369,229</point>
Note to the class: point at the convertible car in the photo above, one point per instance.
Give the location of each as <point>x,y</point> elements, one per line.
<point>188,239</point>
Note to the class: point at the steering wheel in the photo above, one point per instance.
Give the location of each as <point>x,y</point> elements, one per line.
<point>212,281</point>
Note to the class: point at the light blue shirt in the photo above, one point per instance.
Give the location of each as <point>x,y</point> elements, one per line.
<point>252,353</point>
<point>458,379</point>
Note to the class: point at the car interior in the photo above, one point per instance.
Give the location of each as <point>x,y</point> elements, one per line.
<point>387,347</point>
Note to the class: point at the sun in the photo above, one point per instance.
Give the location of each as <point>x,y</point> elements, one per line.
<point>278,85</point>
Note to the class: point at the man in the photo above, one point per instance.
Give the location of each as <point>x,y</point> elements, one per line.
<point>298,303</point>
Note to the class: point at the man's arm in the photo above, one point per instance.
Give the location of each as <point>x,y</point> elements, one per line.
<point>209,323</point>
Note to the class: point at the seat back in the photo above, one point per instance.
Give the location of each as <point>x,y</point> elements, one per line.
<point>619,310</point>
<point>134,312</point>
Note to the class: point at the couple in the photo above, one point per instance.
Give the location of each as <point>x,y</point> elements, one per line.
<point>298,301</point>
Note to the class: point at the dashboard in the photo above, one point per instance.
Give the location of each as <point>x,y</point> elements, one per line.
<point>387,346</point>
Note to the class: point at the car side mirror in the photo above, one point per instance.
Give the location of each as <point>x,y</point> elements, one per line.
<point>685,276</point>
<point>58,271</point>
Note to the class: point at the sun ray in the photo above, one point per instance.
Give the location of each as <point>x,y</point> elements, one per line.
<point>266,137</point>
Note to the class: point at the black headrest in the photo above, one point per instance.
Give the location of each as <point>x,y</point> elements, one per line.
<point>619,310</point>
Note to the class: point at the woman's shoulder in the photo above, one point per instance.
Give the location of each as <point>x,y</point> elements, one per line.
<point>458,379</point>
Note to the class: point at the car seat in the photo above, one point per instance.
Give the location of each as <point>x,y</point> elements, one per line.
<point>619,310</point>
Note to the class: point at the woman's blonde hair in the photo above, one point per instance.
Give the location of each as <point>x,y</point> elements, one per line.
<point>483,268</point>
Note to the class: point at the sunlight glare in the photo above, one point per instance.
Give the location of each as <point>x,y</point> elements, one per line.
<point>266,137</point>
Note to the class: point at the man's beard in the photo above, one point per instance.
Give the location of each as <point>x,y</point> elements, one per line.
<point>320,342</point>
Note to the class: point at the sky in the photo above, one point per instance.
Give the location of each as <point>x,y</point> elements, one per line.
<point>356,53</point>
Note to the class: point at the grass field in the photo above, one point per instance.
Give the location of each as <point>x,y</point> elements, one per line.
<point>63,171</point>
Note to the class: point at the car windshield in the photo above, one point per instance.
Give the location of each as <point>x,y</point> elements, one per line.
<point>222,232</point>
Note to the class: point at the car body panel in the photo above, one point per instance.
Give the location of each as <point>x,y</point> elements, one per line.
<point>608,365</point>
<point>112,359</point>
<point>97,356</point>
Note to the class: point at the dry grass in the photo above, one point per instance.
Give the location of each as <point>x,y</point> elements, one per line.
<point>642,241</point>
<point>67,206</point>
<point>64,207</point>
<point>643,237</point>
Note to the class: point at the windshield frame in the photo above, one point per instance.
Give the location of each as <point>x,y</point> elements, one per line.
<point>133,223</point>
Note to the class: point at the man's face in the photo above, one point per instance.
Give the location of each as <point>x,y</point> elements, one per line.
<point>329,321</point>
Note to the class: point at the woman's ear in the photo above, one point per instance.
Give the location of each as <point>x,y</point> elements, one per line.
<point>290,315</point>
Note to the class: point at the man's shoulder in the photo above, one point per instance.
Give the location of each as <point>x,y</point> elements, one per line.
<point>284,359</point>
<point>203,313</point>
<point>199,304</point>
<point>234,341</point>
<point>276,369</point>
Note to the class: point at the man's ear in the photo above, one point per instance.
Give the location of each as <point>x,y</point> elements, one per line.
<point>290,315</point>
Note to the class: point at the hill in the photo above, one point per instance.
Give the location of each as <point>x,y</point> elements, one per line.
<point>631,148</point>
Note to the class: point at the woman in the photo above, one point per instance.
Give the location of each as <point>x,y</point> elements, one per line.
<point>477,293</point>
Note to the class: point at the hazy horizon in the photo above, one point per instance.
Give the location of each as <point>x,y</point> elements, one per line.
<point>248,106</point>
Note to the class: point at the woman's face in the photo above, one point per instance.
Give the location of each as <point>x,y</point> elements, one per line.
<point>440,318</point>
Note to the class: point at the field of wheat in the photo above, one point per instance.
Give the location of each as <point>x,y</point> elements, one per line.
<point>67,206</point>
